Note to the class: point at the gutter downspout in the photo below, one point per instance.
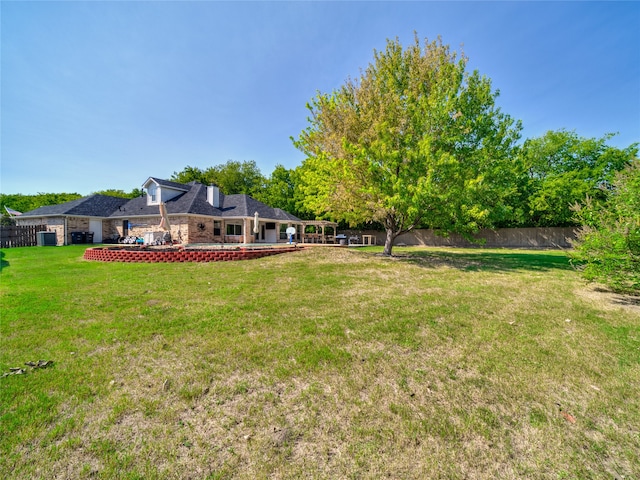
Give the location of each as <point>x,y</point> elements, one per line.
<point>65,231</point>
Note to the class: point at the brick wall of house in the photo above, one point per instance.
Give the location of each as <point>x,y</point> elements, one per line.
<point>77,224</point>
<point>110,230</point>
<point>139,226</point>
<point>184,229</point>
<point>200,229</point>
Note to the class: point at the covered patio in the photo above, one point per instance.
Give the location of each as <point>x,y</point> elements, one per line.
<point>318,231</point>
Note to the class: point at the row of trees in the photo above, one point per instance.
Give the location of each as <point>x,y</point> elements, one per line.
<point>543,178</point>
<point>542,181</point>
<point>562,169</point>
<point>24,203</point>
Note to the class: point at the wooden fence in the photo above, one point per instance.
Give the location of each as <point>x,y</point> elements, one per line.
<point>20,236</point>
<point>549,237</point>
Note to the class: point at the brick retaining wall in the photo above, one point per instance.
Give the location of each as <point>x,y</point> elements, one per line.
<point>165,256</point>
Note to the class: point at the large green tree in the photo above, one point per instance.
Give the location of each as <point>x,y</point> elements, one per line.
<point>237,177</point>
<point>563,168</point>
<point>415,141</point>
<point>608,245</point>
<point>190,174</point>
<point>279,189</point>
<point>232,177</point>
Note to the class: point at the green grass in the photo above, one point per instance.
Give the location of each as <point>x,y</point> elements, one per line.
<point>326,363</point>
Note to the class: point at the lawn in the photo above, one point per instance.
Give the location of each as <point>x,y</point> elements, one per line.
<point>324,363</point>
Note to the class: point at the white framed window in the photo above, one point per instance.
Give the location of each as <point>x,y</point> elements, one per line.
<point>152,194</point>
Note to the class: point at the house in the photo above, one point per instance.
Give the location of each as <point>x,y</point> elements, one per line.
<point>197,213</point>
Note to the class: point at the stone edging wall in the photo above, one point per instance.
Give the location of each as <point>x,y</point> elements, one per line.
<point>160,256</point>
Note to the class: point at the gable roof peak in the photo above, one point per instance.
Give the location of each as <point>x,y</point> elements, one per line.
<point>166,183</point>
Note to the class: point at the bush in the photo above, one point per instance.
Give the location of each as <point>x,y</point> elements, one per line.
<point>608,244</point>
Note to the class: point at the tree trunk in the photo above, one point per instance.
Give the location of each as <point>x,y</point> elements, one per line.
<point>391,227</point>
<point>388,243</point>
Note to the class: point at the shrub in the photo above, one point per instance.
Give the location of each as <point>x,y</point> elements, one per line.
<point>608,244</point>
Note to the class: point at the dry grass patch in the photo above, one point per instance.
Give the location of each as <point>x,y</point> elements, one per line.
<point>603,298</point>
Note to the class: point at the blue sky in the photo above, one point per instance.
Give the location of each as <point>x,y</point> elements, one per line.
<point>99,95</point>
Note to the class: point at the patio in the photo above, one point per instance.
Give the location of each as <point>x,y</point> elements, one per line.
<point>319,231</point>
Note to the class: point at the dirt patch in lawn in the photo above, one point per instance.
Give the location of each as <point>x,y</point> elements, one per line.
<point>603,298</point>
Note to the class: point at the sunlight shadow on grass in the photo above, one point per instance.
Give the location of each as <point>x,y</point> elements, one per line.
<point>3,262</point>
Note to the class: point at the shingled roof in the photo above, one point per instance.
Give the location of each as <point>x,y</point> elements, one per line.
<point>168,183</point>
<point>193,201</point>
<point>95,205</point>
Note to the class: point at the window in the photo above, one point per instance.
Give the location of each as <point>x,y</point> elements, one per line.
<point>233,229</point>
<point>153,194</point>
<point>217,227</point>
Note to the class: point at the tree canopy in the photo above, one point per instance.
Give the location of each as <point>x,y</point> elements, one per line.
<point>563,168</point>
<point>232,177</point>
<point>279,190</point>
<point>415,141</point>
<point>26,203</point>
<point>136,192</point>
